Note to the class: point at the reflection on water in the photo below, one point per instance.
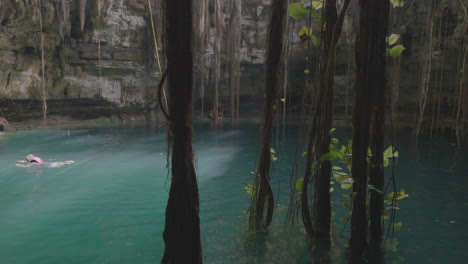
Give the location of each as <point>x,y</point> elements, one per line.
<point>108,207</point>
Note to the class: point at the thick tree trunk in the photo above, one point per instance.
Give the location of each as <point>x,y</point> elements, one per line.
<point>264,193</point>
<point>370,82</point>
<point>182,228</point>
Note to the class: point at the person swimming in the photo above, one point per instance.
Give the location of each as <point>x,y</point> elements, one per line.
<point>34,160</point>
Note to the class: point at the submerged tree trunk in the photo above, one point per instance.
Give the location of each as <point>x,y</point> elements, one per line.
<point>379,84</point>
<point>369,93</point>
<point>319,136</point>
<point>182,228</point>
<point>264,194</point>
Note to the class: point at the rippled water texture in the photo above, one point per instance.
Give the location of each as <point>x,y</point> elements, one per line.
<point>108,207</point>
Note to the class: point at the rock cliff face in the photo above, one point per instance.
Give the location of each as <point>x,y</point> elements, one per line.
<point>97,49</point>
<point>103,51</point>
<point>92,49</point>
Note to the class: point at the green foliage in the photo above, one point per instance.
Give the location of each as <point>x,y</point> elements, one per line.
<point>392,39</point>
<point>314,40</point>
<point>341,157</point>
<point>397,3</point>
<point>250,189</point>
<point>298,11</point>
<point>305,30</point>
<point>388,154</point>
<point>299,184</point>
<point>396,195</point>
<point>372,187</point>
<point>317,4</point>
<point>396,51</point>
<point>272,155</point>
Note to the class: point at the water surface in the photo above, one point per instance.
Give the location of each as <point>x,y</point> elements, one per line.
<point>109,206</point>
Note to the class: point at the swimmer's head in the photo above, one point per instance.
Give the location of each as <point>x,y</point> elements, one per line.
<point>29,157</point>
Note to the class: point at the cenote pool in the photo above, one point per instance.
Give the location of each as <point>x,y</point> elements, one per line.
<point>109,206</point>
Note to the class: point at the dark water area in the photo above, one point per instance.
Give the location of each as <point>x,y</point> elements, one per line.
<point>108,207</point>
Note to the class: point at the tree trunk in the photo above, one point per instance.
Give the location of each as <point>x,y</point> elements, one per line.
<point>376,170</point>
<point>319,136</point>
<point>182,229</point>
<point>370,82</point>
<point>264,193</point>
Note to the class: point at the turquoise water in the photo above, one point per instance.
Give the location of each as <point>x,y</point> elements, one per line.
<point>108,207</point>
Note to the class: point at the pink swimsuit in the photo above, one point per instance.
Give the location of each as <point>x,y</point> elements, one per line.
<point>37,160</point>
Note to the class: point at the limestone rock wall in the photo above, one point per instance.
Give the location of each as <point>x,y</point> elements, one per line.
<point>103,49</point>
<point>120,69</point>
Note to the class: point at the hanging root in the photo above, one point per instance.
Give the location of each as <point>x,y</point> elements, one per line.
<point>160,96</point>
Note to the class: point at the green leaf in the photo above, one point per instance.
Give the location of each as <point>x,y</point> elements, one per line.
<point>317,4</point>
<point>333,143</point>
<point>396,225</point>
<point>346,185</point>
<point>307,71</point>
<point>350,146</point>
<point>299,184</point>
<point>388,153</point>
<point>298,11</point>
<point>396,51</point>
<point>330,156</point>
<point>398,196</point>
<point>305,30</point>
<point>273,158</point>
<point>314,40</point>
<point>272,151</point>
<point>283,100</point>
<point>341,173</point>
<point>331,131</point>
<point>342,150</point>
<point>392,39</point>
<point>338,178</point>
<point>346,205</point>
<point>336,168</point>
<point>397,3</point>
<point>371,187</point>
